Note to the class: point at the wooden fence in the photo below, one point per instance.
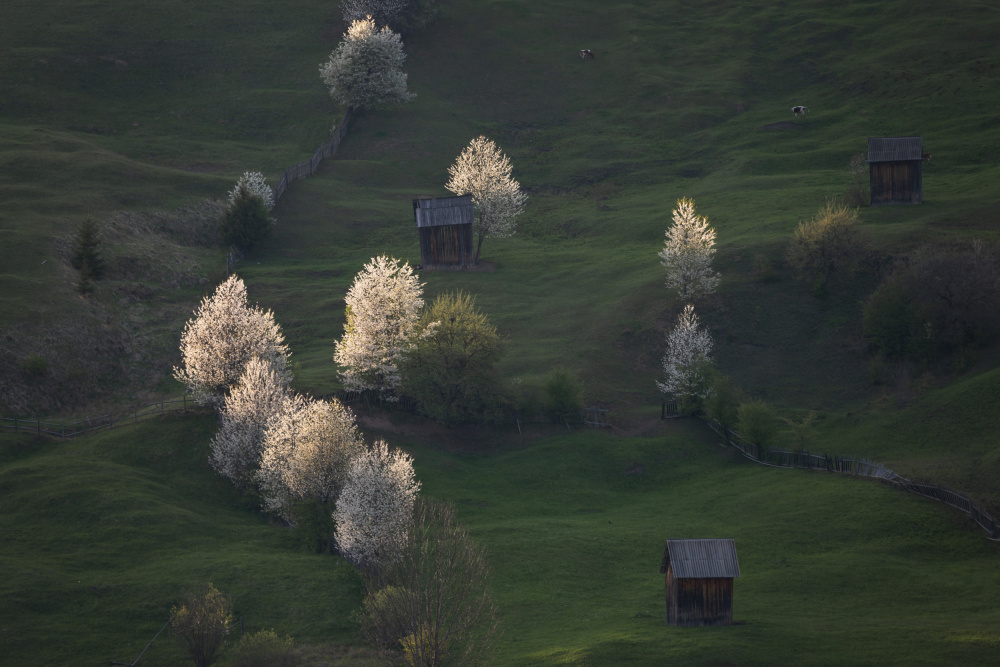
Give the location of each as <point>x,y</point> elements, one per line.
<point>308,168</point>
<point>91,424</point>
<point>858,467</point>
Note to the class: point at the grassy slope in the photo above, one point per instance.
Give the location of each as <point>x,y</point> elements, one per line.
<point>103,534</point>
<point>674,105</point>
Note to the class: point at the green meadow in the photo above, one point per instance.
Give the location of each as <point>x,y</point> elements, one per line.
<point>145,115</point>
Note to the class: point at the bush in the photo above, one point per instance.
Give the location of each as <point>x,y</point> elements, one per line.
<point>763,269</point>
<point>942,300</point>
<point>451,371</point>
<point>264,649</point>
<point>723,402</point>
<point>757,422</point>
<point>801,430</point>
<point>563,395</point>
<point>858,194</point>
<point>827,244</point>
<point>201,624</point>
<point>246,221</point>
<point>890,319</point>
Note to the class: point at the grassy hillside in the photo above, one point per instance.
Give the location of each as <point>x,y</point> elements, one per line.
<point>145,114</point>
<point>104,534</point>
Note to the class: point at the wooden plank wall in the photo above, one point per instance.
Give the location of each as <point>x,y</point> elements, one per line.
<point>446,246</point>
<point>694,602</point>
<point>896,183</point>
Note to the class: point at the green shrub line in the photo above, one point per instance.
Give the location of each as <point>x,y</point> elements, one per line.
<point>778,458</point>
<point>858,467</point>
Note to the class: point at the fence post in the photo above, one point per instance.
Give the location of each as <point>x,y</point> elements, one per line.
<point>15,424</point>
<point>185,398</point>
<point>38,427</point>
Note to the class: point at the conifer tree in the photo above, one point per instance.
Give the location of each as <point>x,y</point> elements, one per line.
<point>86,257</point>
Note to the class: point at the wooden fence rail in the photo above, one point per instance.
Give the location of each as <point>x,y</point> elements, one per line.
<point>859,468</point>
<point>91,424</point>
<point>309,167</point>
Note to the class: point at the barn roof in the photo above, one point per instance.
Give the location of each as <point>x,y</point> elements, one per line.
<point>894,149</point>
<point>701,559</point>
<point>443,211</point>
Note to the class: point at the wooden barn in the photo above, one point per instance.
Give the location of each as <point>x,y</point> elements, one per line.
<point>895,170</point>
<point>700,581</point>
<point>445,229</point>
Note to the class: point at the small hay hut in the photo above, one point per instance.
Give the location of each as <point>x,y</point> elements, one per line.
<point>445,229</point>
<point>700,581</point>
<point>895,170</point>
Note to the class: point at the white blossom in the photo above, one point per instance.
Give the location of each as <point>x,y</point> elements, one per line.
<point>365,70</point>
<point>306,454</point>
<point>222,337</point>
<point>483,171</point>
<point>260,394</point>
<point>687,253</point>
<point>375,510</point>
<point>254,183</point>
<point>383,306</point>
<point>686,359</point>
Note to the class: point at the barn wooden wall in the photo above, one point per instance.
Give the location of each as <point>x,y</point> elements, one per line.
<point>446,246</point>
<point>896,183</point>
<point>699,601</point>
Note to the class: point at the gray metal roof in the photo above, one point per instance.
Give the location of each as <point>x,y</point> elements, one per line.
<point>701,559</point>
<point>894,149</point>
<point>443,211</point>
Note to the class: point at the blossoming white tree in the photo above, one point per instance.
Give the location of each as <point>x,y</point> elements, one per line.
<point>383,306</point>
<point>483,171</point>
<point>365,70</point>
<point>222,337</point>
<point>306,455</point>
<point>685,363</point>
<point>375,509</point>
<point>256,185</point>
<point>259,395</point>
<point>687,253</point>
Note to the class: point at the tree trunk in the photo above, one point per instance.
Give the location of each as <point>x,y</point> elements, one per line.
<point>479,247</point>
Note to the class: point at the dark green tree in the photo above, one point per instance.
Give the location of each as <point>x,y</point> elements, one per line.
<point>246,222</point>
<point>86,257</point>
<point>563,395</point>
<point>451,371</point>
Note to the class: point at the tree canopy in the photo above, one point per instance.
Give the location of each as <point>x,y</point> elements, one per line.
<point>366,69</point>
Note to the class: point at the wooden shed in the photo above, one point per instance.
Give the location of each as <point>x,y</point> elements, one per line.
<point>445,229</point>
<point>895,170</point>
<point>700,581</point>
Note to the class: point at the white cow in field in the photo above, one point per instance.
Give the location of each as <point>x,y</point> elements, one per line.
<point>586,54</point>
<point>799,110</point>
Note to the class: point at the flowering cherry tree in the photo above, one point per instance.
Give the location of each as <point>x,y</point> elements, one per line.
<point>685,363</point>
<point>375,509</point>
<point>383,307</point>
<point>258,396</point>
<point>365,70</point>
<point>222,337</point>
<point>306,454</point>
<point>483,171</point>
<point>256,185</point>
<point>687,253</point>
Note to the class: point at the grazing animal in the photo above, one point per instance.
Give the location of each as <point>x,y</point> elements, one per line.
<point>926,157</point>
<point>799,110</point>
<point>586,54</point>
